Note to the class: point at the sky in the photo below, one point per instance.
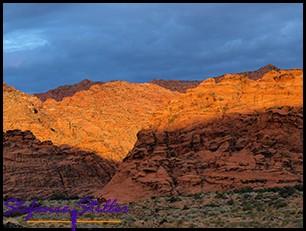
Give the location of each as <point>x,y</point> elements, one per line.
<point>46,45</point>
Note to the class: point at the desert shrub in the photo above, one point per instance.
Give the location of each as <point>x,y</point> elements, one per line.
<point>246,196</point>
<point>287,191</point>
<point>197,196</point>
<point>259,196</point>
<point>244,190</point>
<point>274,189</point>
<point>230,202</point>
<point>260,208</point>
<point>247,207</point>
<point>213,205</point>
<point>279,203</point>
<point>76,197</point>
<point>59,196</point>
<point>38,203</point>
<point>212,94</point>
<point>299,187</point>
<point>174,199</point>
<point>219,195</point>
<point>13,214</point>
<point>286,214</point>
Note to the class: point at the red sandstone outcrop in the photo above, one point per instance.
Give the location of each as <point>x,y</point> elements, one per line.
<point>219,136</point>
<point>67,90</point>
<point>259,149</point>
<point>233,93</point>
<point>254,75</point>
<point>32,168</point>
<point>26,112</point>
<point>104,119</point>
<point>183,86</point>
<point>223,135</point>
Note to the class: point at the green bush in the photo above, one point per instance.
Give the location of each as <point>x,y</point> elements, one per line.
<point>197,196</point>
<point>59,196</point>
<point>76,197</point>
<point>279,203</point>
<point>173,199</point>
<point>247,207</point>
<point>260,208</point>
<point>246,196</point>
<point>299,187</point>
<point>13,214</point>
<point>244,190</point>
<point>230,202</point>
<point>287,191</point>
<point>219,195</point>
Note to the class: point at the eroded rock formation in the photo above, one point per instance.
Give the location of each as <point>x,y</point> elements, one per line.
<point>233,93</point>
<point>104,119</point>
<point>259,149</point>
<point>182,86</point>
<point>39,169</point>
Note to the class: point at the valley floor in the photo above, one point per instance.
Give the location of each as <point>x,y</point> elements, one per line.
<point>268,208</point>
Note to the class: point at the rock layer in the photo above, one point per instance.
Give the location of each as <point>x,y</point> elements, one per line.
<point>262,149</point>
<point>104,119</point>
<point>233,93</point>
<point>32,168</point>
<point>219,136</point>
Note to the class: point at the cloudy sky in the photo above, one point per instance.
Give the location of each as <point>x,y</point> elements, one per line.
<point>48,45</point>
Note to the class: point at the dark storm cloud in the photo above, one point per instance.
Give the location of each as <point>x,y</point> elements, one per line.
<point>47,45</point>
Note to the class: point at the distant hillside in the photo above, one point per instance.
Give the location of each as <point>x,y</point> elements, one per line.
<point>182,85</point>
<point>176,85</point>
<point>254,75</point>
<point>67,90</point>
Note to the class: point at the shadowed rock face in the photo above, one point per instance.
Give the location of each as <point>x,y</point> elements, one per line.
<point>176,85</point>
<point>254,75</point>
<point>263,149</point>
<point>32,168</point>
<point>67,90</point>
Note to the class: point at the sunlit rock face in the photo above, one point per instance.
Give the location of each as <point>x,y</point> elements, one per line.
<point>217,137</point>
